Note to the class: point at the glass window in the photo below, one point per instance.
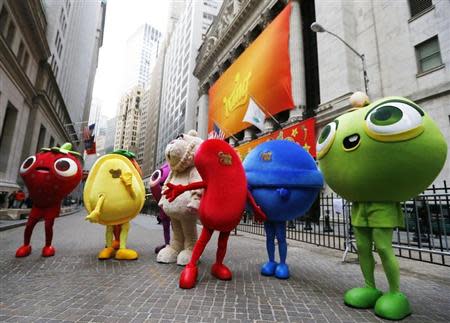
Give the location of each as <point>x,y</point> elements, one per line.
<point>3,20</point>
<point>417,6</point>
<point>10,34</point>
<point>428,55</point>
<point>7,135</point>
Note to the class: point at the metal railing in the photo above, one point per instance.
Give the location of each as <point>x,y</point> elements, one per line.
<point>424,237</point>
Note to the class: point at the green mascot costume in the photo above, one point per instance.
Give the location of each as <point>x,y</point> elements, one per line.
<point>377,156</point>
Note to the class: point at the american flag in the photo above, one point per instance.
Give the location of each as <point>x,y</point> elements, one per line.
<point>216,133</point>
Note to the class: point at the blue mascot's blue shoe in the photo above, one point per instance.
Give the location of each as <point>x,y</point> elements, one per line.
<point>282,271</point>
<point>268,269</point>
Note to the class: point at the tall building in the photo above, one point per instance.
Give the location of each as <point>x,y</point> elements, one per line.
<point>407,52</point>
<point>141,53</point>
<point>151,102</point>
<point>110,134</point>
<point>75,35</point>
<point>128,120</point>
<point>33,113</point>
<point>179,86</point>
<point>148,135</point>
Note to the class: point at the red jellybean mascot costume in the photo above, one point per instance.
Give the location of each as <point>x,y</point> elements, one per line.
<point>50,176</point>
<point>221,206</point>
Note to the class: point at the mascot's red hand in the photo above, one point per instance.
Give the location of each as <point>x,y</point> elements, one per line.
<point>172,191</point>
<point>260,216</point>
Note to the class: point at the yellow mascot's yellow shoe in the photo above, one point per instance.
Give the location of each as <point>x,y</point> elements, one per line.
<point>126,254</point>
<point>116,244</point>
<point>106,253</point>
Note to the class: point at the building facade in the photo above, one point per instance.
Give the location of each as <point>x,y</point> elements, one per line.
<point>128,120</point>
<point>150,118</point>
<point>141,53</point>
<point>236,28</point>
<point>33,113</point>
<point>406,45</point>
<point>179,86</point>
<point>75,35</point>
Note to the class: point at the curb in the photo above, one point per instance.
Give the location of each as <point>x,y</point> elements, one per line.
<point>18,223</point>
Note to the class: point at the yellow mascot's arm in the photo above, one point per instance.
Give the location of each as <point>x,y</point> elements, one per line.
<point>127,180</point>
<point>94,215</point>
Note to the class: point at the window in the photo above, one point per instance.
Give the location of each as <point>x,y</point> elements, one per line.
<point>26,59</point>
<point>428,55</point>
<point>52,142</point>
<point>417,6</point>
<point>3,20</point>
<point>10,34</point>
<point>20,51</point>
<point>7,135</point>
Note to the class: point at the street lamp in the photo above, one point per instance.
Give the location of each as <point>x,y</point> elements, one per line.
<point>317,28</point>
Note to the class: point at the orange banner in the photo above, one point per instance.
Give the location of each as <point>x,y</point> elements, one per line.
<point>262,71</point>
<point>303,133</point>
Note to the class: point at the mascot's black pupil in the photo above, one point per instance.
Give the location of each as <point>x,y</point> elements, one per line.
<point>62,165</point>
<point>383,113</point>
<point>28,163</point>
<point>180,136</point>
<point>155,176</point>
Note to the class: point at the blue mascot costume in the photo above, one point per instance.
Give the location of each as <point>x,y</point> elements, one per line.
<point>284,181</point>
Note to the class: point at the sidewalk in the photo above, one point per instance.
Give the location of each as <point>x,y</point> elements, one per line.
<point>75,286</point>
<point>10,224</point>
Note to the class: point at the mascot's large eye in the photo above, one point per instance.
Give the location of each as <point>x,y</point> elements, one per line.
<point>26,165</point>
<point>394,121</point>
<point>326,138</point>
<point>155,178</point>
<point>66,167</point>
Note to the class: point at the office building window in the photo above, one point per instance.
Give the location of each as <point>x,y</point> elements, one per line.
<point>417,6</point>
<point>3,20</point>
<point>428,55</point>
<point>41,138</point>
<point>7,135</point>
<point>10,34</point>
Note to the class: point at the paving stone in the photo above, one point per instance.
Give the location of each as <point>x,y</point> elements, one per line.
<point>75,286</point>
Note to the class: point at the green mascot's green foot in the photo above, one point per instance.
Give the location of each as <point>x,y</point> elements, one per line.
<point>393,306</point>
<point>362,297</point>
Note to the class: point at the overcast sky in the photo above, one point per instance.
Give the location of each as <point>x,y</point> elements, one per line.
<point>123,17</point>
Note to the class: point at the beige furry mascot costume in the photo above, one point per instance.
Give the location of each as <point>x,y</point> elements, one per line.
<point>182,212</point>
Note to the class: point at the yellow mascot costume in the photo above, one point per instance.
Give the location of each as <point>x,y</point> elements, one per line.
<point>113,195</point>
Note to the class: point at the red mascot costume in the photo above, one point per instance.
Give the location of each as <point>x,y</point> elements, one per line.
<point>221,206</point>
<point>49,176</point>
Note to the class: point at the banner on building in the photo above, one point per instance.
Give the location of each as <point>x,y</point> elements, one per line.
<point>302,133</point>
<point>262,71</point>
<point>89,139</point>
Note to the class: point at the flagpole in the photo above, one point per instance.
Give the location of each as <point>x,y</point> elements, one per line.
<point>223,128</point>
<point>270,115</point>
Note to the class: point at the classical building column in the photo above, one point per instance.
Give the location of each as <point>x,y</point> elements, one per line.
<point>296,53</point>
<point>268,125</point>
<point>248,134</point>
<point>203,103</point>
<point>232,142</point>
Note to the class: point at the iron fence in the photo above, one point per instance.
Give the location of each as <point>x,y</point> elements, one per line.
<point>424,237</point>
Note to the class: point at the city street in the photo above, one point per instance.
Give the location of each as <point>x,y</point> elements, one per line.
<point>75,286</point>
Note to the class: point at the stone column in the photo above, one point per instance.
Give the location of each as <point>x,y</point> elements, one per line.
<point>296,53</point>
<point>248,134</point>
<point>202,104</point>
<point>268,125</point>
